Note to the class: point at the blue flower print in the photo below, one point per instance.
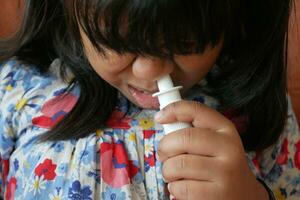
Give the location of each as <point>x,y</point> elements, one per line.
<point>86,156</point>
<point>60,92</point>
<point>16,165</point>
<point>113,194</point>
<point>11,107</point>
<point>134,122</point>
<point>78,193</point>
<point>95,174</point>
<point>275,173</point>
<point>58,146</point>
<point>138,178</point>
<point>7,145</point>
<point>63,168</point>
<point>30,82</point>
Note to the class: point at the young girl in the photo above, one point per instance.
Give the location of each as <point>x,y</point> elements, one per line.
<point>78,120</point>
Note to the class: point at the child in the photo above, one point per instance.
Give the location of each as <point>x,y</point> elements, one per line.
<point>82,126</point>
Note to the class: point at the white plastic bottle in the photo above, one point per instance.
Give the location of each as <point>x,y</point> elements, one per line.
<point>169,94</point>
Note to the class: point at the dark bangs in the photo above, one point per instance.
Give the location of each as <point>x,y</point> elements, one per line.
<point>159,28</point>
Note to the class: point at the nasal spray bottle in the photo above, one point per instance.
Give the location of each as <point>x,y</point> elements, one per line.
<point>169,94</point>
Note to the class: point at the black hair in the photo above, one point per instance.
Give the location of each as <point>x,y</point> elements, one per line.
<point>251,76</point>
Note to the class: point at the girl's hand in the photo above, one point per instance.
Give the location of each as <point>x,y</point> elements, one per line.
<point>208,160</point>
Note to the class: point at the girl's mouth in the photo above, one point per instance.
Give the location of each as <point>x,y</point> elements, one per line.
<point>144,98</point>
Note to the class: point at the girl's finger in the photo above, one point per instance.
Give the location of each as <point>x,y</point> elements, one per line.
<point>193,167</point>
<point>196,141</point>
<point>194,190</point>
<point>195,113</point>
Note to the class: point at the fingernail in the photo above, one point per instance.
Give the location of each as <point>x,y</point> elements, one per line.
<point>158,116</point>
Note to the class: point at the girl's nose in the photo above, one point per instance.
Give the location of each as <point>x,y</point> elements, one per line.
<point>151,68</point>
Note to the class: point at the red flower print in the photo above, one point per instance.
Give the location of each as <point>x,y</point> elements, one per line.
<point>118,120</point>
<point>148,133</point>
<point>149,162</point>
<point>132,169</point>
<point>297,155</point>
<point>11,188</point>
<point>47,169</point>
<point>283,156</point>
<point>5,168</point>
<point>255,161</point>
<point>54,110</point>
<point>117,169</point>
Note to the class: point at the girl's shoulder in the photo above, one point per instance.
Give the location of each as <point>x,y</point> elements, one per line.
<point>20,80</point>
<point>29,97</point>
<point>14,71</point>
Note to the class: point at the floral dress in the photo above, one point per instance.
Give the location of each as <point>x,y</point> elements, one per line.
<point>114,163</point>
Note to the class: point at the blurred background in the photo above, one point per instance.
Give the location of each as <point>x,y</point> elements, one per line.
<point>294,58</point>
<point>10,16</point>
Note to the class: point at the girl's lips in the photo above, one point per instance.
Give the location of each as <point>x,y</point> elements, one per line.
<point>144,98</point>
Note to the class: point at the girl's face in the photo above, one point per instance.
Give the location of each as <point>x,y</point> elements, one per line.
<point>136,76</point>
